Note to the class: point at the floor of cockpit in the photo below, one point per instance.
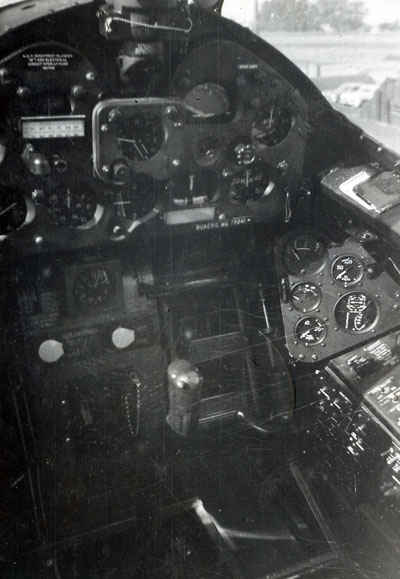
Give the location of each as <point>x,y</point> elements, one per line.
<point>224,505</point>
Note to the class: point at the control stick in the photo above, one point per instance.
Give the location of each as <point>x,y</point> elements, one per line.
<point>184,390</point>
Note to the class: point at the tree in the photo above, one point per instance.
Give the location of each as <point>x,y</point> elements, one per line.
<point>392,26</point>
<point>291,15</point>
<point>341,15</point>
<point>305,15</point>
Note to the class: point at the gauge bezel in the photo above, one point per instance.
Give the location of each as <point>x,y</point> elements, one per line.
<point>308,269</point>
<point>303,310</point>
<point>104,139</point>
<point>95,220</point>
<point>111,285</point>
<point>369,328</point>
<point>320,341</point>
<point>29,217</point>
<point>293,118</point>
<point>354,282</point>
<point>53,215</point>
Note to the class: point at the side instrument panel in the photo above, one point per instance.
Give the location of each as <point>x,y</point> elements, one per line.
<point>333,296</point>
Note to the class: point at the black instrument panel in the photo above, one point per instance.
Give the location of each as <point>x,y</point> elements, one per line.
<point>78,168</point>
<point>333,296</point>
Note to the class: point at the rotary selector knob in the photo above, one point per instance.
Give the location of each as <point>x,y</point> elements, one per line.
<point>120,171</point>
<point>244,154</point>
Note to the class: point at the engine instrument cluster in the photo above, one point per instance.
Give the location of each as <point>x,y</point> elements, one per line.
<point>333,297</point>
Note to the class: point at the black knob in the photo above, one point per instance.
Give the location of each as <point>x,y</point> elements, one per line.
<point>60,164</point>
<point>238,193</point>
<point>120,171</point>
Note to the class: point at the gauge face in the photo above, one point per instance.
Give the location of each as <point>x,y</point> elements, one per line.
<point>75,208</point>
<point>273,125</point>
<point>15,211</point>
<point>304,253</point>
<point>93,287</point>
<point>356,312</point>
<point>311,331</point>
<point>251,184</point>
<point>140,137</point>
<point>197,188</point>
<point>347,270</point>
<point>306,297</point>
<point>208,101</point>
<point>207,150</point>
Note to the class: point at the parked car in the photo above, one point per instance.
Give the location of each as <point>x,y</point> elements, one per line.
<point>352,94</point>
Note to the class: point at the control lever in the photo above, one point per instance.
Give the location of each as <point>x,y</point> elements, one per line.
<point>120,233</point>
<point>184,390</point>
<point>148,217</point>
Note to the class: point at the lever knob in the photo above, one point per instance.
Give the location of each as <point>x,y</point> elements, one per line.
<point>184,389</point>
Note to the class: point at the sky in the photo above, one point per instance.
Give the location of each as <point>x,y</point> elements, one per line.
<point>378,10</point>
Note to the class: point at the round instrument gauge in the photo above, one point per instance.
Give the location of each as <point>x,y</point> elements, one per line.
<point>356,312</point>
<point>208,101</point>
<point>251,184</point>
<point>93,287</point>
<point>311,331</point>
<point>15,210</point>
<point>304,253</point>
<point>76,208</point>
<point>140,137</point>
<point>347,270</point>
<point>306,297</point>
<point>273,125</point>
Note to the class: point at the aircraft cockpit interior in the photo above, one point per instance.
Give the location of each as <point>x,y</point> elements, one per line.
<point>200,346</point>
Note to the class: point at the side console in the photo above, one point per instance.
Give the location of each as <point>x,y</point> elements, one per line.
<point>355,437</point>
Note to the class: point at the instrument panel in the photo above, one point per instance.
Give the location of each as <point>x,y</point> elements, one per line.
<point>82,162</point>
<point>333,296</point>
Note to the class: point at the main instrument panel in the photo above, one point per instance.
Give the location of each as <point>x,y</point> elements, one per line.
<point>81,152</point>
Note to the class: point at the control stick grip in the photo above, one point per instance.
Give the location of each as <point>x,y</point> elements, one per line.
<point>184,391</point>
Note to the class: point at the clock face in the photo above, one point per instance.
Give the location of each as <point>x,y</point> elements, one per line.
<point>94,287</point>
